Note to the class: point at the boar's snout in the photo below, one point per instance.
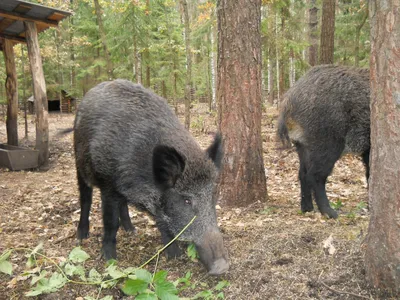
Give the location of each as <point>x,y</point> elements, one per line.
<point>212,252</point>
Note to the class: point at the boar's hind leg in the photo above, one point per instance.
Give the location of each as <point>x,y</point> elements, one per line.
<point>110,206</point>
<point>124,216</point>
<point>365,158</point>
<point>321,165</point>
<point>173,250</point>
<point>306,198</point>
<point>85,197</point>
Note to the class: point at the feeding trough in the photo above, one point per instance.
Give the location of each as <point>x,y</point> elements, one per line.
<point>18,158</point>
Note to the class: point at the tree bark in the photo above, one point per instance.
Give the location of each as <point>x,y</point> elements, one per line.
<point>12,94</point>
<point>104,39</point>
<point>188,87</point>
<point>242,179</point>
<point>382,257</point>
<point>327,32</point>
<point>312,34</point>
<point>39,92</point>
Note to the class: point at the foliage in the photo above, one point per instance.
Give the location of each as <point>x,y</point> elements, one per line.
<point>137,282</point>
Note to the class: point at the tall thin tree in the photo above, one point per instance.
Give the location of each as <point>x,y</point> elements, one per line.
<point>188,87</point>
<point>103,39</point>
<point>382,259</point>
<point>239,101</point>
<point>312,34</point>
<point>327,32</point>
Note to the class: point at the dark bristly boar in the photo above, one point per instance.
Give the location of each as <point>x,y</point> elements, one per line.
<point>326,114</point>
<point>130,144</point>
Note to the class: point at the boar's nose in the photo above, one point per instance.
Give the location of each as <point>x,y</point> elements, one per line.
<point>220,266</point>
<point>212,252</point>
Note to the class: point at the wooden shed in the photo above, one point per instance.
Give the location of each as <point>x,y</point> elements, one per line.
<point>20,22</point>
<point>58,101</point>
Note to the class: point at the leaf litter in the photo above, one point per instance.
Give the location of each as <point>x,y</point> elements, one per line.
<point>275,252</point>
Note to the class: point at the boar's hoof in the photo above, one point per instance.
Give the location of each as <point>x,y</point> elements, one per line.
<point>307,208</point>
<point>129,228</point>
<point>173,251</point>
<point>331,213</point>
<point>220,266</point>
<point>83,233</point>
<point>109,252</point>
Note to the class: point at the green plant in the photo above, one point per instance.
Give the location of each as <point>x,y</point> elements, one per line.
<point>361,205</point>
<point>337,205</point>
<point>137,282</point>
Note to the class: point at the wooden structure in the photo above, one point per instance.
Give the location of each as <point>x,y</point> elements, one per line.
<point>58,101</point>
<point>20,22</point>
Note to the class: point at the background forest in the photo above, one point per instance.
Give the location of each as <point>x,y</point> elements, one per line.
<point>144,41</point>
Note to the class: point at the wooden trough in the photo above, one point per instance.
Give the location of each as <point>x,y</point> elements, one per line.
<point>18,158</point>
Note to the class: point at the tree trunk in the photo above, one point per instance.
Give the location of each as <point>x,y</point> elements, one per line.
<point>39,92</point>
<point>213,72</point>
<point>12,94</point>
<point>188,87</point>
<point>104,39</point>
<point>382,257</point>
<point>24,91</point>
<point>242,178</point>
<point>312,34</point>
<point>72,52</point>
<point>357,39</point>
<point>327,32</point>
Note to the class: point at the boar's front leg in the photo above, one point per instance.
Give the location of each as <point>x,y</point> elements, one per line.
<point>110,206</point>
<point>173,250</point>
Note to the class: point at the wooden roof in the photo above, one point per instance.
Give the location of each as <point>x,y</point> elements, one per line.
<point>14,12</point>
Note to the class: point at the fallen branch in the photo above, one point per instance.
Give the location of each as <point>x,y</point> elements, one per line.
<point>340,292</point>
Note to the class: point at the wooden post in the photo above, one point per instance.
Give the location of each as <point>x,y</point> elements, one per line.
<point>12,94</point>
<point>39,92</point>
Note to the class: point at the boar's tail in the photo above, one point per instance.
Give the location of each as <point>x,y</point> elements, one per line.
<point>283,131</point>
<point>65,131</point>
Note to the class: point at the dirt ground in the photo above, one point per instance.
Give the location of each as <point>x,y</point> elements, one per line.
<point>275,252</point>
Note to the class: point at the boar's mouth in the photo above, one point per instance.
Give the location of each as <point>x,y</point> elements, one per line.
<point>213,253</point>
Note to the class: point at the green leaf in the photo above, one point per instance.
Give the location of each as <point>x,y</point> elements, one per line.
<point>30,262</point>
<point>144,275</point>
<point>192,252</point>
<point>44,285</point>
<point>40,277</point>
<point>77,255</point>
<point>166,290</point>
<point>129,270</point>
<point>108,297</point>
<point>114,272</point>
<point>6,267</point>
<point>133,286</point>
<point>203,294</point>
<point>222,284</point>
<point>5,255</point>
<point>147,295</point>
<point>71,270</point>
<point>94,276</point>
<point>220,295</point>
<point>160,276</point>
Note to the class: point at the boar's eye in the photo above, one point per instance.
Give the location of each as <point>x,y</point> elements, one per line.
<point>188,202</point>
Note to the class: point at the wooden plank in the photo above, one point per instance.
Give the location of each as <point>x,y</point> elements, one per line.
<point>12,94</point>
<point>56,16</point>
<point>22,17</point>
<point>13,38</point>
<point>5,23</point>
<point>39,92</point>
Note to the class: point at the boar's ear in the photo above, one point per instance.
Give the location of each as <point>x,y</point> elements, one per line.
<point>168,165</point>
<point>214,151</point>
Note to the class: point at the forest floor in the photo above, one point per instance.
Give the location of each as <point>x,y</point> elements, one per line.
<point>275,251</point>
